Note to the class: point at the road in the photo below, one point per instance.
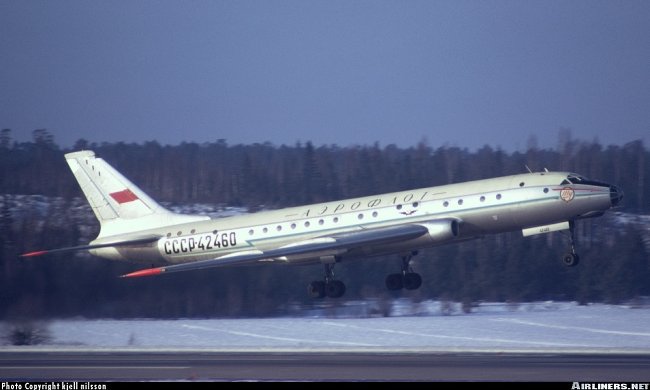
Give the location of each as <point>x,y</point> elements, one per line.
<point>321,366</point>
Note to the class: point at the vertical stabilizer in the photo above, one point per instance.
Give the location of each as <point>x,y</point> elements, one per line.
<point>119,205</point>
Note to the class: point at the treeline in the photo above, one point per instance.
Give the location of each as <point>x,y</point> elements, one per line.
<point>507,267</point>
<point>278,176</point>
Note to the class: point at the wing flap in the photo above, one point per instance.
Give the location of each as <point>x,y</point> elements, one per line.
<point>318,247</point>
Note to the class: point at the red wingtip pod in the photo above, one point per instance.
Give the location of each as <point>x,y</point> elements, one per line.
<point>145,272</point>
<point>33,254</point>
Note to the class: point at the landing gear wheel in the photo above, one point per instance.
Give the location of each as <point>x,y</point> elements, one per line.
<point>407,279</point>
<point>335,289</point>
<point>316,289</point>
<point>571,259</point>
<point>394,282</point>
<point>329,287</point>
<point>412,281</point>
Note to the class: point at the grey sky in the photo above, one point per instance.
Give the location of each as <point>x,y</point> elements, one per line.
<point>464,73</point>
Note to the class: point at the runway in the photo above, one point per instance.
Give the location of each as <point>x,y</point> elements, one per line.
<point>80,365</point>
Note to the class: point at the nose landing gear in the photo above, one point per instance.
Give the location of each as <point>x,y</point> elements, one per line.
<point>571,258</point>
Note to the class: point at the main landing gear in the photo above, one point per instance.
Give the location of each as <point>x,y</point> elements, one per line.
<point>571,258</point>
<point>329,287</point>
<point>407,279</point>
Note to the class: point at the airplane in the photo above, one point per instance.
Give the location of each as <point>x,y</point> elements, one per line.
<point>135,228</point>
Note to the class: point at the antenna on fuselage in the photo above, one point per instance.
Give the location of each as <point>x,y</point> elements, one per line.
<point>529,171</point>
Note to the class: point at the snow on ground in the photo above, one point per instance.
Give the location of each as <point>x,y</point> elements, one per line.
<point>533,326</point>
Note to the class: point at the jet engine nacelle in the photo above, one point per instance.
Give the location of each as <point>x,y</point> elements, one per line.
<point>443,230</point>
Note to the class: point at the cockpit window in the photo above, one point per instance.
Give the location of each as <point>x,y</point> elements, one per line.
<point>577,179</point>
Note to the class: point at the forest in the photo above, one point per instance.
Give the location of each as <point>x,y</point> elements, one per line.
<point>615,249</point>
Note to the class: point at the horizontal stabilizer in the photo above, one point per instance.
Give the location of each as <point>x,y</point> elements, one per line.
<point>137,241</point>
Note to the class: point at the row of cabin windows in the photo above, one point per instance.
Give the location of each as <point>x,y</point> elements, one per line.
<point>460,201</point>
<point>415,204</point>
<point>180,233</point>
<point>308,223</point>
<point>482,198</point>
<point>360,216</point>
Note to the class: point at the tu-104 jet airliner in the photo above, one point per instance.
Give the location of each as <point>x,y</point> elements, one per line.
<point>134,227</point>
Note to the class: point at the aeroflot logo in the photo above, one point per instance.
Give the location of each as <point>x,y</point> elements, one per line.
<point>567,194</point>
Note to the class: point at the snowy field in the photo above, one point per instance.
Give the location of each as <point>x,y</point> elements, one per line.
<point>543,326</point>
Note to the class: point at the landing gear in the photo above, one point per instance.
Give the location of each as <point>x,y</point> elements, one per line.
<point>330,287</point>
<point>334,289</point>
<point>412,281</point>
<point>394,282</point>
<point>571,258</point>
<point>407,279</point>
<point>316,289</point>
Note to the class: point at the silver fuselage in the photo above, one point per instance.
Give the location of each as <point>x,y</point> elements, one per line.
<point>479,208</point>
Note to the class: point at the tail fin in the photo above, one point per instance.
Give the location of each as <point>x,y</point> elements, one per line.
<point>119,205</point>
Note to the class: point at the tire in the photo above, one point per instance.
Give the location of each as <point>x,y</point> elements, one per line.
<point>316,289</point>
<point>394,282</point>
<point>571,259</point>
<point>412,281</point>
<point>335,289</point>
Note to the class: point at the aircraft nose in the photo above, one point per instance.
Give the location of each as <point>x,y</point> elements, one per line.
<point>615,195</point>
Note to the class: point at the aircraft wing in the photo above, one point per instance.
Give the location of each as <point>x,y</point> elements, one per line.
<point>322,246</point>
